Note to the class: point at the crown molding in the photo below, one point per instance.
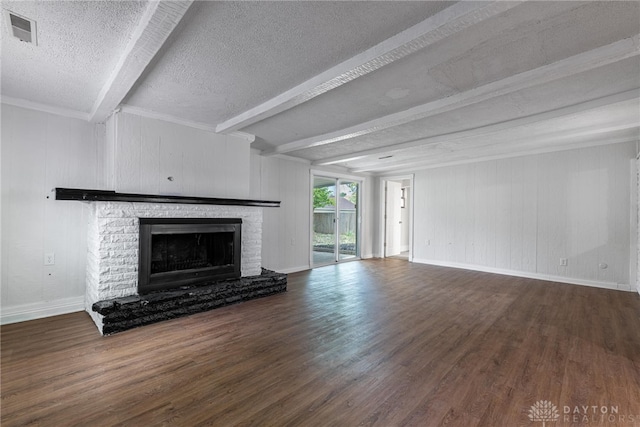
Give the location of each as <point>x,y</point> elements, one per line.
<point>176,120</point>
<point>46,108</point>
<point>242,135</point>
<point>165,117</point>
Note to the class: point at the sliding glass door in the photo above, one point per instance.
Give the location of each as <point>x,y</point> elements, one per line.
<point>324,225</point>
<point>347,207</point>
<point>336,220</point>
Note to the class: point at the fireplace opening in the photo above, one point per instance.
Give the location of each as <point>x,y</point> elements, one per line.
<point>182,251</point>
<point>170,252</point>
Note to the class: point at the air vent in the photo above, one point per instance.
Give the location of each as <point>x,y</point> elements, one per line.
<point>21,27</point>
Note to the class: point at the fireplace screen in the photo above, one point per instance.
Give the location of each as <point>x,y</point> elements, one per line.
<point>172,252</point>
<point>177,252</point>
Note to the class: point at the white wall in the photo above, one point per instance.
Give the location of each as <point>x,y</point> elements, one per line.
<point>521,215</point>
<point>41,151</point>
<point>147,151</point>
<point>286,230</point>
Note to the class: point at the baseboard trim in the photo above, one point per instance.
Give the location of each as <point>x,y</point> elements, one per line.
<point>528,275</point>
<point>38,310</point>
<point>292,269</point>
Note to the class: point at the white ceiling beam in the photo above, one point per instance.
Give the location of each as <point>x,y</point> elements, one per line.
<point>452,20</point>
<point>487,129</point>
<point>561,140</point>
<point>579,63</point>
<point>155,26</point>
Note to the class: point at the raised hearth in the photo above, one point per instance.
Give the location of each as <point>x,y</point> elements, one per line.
<point>121,314</point>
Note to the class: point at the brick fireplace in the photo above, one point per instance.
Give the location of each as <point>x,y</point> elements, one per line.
<point>113,241</point>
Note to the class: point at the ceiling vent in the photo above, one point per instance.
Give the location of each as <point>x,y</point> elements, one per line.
<point>21,27</point>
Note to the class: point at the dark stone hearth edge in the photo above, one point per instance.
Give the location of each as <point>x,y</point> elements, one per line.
<point>121,314</point>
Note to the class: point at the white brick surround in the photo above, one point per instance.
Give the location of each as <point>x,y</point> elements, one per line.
<point>112,255</point>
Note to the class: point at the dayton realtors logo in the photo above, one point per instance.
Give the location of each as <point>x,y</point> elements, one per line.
<point>545,411</point>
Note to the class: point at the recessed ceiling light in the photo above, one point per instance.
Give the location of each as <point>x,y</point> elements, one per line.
<point>22,27</point>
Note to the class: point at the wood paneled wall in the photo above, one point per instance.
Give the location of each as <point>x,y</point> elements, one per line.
<point>41,151</point>
<point>524,214</point>
<point>148,151</point>
<point>286,230</point>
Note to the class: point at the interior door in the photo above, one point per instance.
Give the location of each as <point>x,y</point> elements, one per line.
<point>393,227</point>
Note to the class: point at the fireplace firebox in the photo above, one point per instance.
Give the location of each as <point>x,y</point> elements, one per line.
<point>176,252</point>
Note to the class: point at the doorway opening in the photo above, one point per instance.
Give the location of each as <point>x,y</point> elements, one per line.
<point>335,220</point>
<point>397,214</point>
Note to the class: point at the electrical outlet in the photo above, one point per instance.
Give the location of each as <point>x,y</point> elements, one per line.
<point>564,262</point>
<point>49,258</point>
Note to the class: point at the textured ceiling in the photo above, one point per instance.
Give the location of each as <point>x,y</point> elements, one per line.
<point>456,65</point>
<point>524,103</point>
<point>234,55</point>
<point>79,44</point>
<point>345,83</point>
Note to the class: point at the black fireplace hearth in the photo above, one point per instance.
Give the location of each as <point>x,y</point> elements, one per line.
<point>121,314</point>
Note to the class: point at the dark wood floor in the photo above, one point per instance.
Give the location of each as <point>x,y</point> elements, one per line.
<point>378,342</point>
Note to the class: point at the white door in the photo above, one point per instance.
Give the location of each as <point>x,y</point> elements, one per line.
<point>394,219</point>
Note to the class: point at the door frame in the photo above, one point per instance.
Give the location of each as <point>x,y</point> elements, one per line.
<point>382,231</point>
<point>344,177</point>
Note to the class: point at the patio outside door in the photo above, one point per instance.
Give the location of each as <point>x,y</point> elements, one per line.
<point>335,220</point>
